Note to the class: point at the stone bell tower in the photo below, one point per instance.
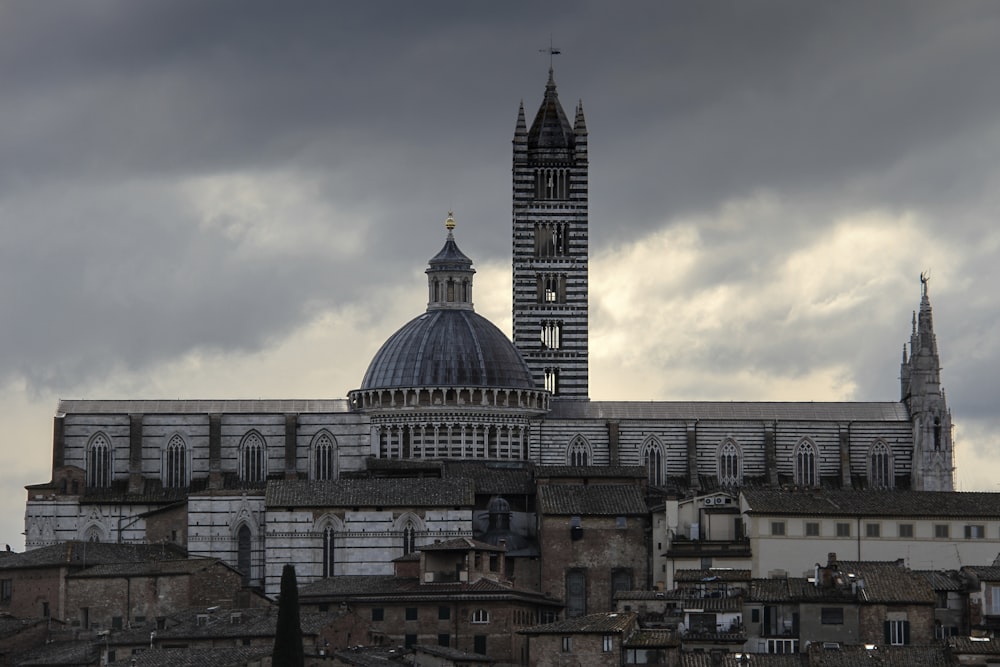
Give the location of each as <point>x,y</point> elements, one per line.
<point>551,246</point>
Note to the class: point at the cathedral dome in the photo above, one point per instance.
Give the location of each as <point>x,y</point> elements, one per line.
<point>449,345</point>
<point>448,348</point>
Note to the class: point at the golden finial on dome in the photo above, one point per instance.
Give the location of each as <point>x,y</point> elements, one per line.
<point>450,222</point>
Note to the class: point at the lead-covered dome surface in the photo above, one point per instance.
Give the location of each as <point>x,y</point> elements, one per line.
<point>448,348</point>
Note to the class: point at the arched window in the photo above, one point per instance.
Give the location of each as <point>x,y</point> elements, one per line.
<point>578,452</point>
<point>99,461</point>
<point>328,551</point>
<point>243,552</point>
<point>253,458</point>
<point>94,534</point>
<point>805,464</point>
<point>880,473</point>
<point>409,538</point>
<point>652,455</point>
<point>551,381</point>
<point>175,463</point>
<point>552,334</point>
<point>730,469</point>
<point>481,616</point>
<point>324,454</point>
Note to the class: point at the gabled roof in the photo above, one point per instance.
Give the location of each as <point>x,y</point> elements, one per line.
<point>592,472</point>
<point>603,623</point>
<point>854,503</point>
<point>983,572</point>
<point>711,575</point>
<point>939,580</point>
<point>380,492</point>
<point>591,500</point>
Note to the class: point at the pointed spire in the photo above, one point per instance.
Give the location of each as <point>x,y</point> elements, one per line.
<point>551,129</point>
<point>579,124</point>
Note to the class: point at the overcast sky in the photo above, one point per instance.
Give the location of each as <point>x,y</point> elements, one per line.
<point>237,199</point>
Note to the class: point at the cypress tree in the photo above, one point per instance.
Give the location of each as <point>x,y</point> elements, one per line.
<point>288,651</point>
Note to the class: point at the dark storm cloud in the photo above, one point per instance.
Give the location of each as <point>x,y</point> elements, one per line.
<point>400,111</point>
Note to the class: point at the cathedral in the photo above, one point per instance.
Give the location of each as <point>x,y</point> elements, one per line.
<point>454,427</point>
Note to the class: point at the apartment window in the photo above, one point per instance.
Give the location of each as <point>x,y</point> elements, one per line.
<point>444,639</point>
<point>941,531</point>
<point>409,640</point>
<point>479,644</point>
<point>6,589</point>
<point>897,633</point>
<point>444,613</point>
<point>873,530</point>
<point>782,646</point>
<point>411,613</point>
<point>777,527</point>
<point>567,644</point>
<point>831,615</point>
<point>378,614</point>
<point>812,529</point>
<point>480,616</point>
<point>608,643</point>
<point>906,530</point>
<point>755,615</point>
<point>843,530</point>
<point>975,532</point>
<point>994,600</point>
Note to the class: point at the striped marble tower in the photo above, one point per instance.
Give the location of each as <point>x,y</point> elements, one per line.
<point>551,246</point>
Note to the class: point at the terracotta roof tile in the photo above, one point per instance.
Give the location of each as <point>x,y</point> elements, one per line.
<point>591,499</point>
<point>845,502</point>
<point>401,492</point>
<point>608,622</point>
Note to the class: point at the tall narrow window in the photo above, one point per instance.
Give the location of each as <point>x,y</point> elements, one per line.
<point>576,593</point>
<point>730,472</point>
<point>253,461</point>
<point>552,334</point>
<point>99,462</point>
<point>243,552</point>
<point>937,433</point>
<point>552,381</point>
<point>409,538</point>
<point>324,453</point>
<point>805,464</point>
<point>328,545</point>
<point>880,474</point>
<point>578,452</point>
<point>176,463</point>
<point>652,454</point>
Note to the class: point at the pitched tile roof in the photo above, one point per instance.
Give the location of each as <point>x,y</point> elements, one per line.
<point>711,574</point>
<point>729,410</point>
<point>396,492</point>
<point>495,478</point>
<point>460,544</point>
<point>756,660</point>
<point>84,554</point>
<point>653,639</point>
<point>975,645</point>
<point>942,580</point>
<point>884,656</point>
<point>227,406</point>
<point>846,502</point>
<point>150,569</point>
<point>592,472</point>
<point>889,582</point>
<point>983,572</point>
<point>591,499</point>
<point>233,656</point>
<point>603,623</point>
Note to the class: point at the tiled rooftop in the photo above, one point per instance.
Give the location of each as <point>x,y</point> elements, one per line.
<point>225,406</point>
<point>842,502</point>
<point>607,622</point>
<point>149,569</point>
<point>402,492</point>
<point>85,554</point>
<point>592,499</point>
<point>883,656</point>
<point>712,574</point>
<point>592,472</point>
<point>731,410</point>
